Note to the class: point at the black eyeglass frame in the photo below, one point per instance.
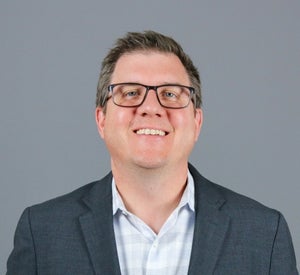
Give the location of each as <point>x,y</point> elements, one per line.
<point>148,88</point>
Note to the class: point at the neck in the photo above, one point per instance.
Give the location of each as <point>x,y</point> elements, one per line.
<point>151,194</point>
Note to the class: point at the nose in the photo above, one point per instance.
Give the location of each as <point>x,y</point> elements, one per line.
<point>151,105</point>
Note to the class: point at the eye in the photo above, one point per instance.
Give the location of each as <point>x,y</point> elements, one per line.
<point>170,94</point>
<point>130,93</point>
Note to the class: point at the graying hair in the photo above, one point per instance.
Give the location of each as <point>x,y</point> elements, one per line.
<point>145,41</point>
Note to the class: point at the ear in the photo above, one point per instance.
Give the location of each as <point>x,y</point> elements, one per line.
<point>100,120</point>
<point>198,122</point>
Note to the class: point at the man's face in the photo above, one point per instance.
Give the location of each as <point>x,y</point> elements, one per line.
<point>128,132</point>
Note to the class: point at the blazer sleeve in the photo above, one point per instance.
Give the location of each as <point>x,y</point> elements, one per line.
<point>22,259</point>
<point>283,259</point>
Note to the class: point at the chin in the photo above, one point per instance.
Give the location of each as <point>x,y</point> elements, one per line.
<point>150,163</point>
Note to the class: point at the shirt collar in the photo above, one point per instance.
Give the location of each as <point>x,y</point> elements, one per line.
<point>117,200</point>
<point>188,197</point>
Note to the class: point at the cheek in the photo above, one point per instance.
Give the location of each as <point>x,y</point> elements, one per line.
<point>185,121</point>
<point>187,128</point>
<point>116,120</point>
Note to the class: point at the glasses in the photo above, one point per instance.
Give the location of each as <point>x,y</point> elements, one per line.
<point>171,96</point>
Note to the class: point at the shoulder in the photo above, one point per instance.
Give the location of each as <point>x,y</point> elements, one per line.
<point>254,231</point>
<point>73,203</point>
<point>231,203</point>
<point>250,221</point>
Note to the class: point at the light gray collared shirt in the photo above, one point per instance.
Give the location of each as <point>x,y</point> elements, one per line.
<point>143,252</point>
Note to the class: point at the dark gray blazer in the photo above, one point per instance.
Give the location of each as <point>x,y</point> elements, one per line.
<point>73,234</point>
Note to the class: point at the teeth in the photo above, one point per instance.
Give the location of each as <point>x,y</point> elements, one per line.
<point>152,132</point>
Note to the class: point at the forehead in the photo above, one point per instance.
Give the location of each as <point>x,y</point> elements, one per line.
<point>150,67</point>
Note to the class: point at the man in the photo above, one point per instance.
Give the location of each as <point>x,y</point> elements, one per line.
<point>154,213</point>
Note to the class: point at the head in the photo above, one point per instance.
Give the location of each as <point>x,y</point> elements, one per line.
<point>145,41</point>
<point>149,134</point>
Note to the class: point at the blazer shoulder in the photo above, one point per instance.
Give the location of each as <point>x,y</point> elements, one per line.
<point>72,202</point>
<point>229,201</point>
<point>256,235</point>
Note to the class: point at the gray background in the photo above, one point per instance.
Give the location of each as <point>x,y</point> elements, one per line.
<point>248,53</point>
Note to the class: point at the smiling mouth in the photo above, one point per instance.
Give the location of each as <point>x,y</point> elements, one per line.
<point>151,132</point>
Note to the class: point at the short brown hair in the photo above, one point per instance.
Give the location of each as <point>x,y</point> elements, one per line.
<point>145,41</point>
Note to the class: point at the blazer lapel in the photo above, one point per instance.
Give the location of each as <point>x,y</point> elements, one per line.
<point>211,225</point>
<point>97,228</point>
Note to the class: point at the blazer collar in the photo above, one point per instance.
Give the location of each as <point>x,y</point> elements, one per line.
<point>97,228</point>
<point>211,225</point>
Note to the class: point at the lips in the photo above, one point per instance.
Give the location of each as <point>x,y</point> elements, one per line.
<point>152,132</point>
